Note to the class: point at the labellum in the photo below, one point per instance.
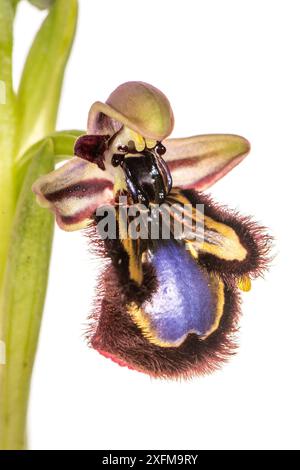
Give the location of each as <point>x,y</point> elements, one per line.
<point>168,302</point>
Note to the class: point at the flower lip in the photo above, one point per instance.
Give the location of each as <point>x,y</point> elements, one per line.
<point>138,106</point>
<point>147,179</point>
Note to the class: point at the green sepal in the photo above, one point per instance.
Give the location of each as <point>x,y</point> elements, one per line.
<point>41,4</point>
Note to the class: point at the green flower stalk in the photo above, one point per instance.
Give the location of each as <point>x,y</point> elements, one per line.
<point>29,147</point>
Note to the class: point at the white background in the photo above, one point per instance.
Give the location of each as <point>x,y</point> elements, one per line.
<point>226,67</point>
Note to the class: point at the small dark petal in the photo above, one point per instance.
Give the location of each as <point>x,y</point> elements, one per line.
<point>92,148</point>
<point>117,159</point>
<point>123,148</point>
<point>160,149</point>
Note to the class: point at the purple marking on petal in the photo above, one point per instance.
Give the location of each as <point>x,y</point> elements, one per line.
<point>183,162</point>
<point>78,217</point>
<point>184,301</point>
<point>79,190</point>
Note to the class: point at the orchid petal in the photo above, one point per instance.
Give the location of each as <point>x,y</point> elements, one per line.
<point>92,148</point>
<point>74,192</point>
<point>199,161</point>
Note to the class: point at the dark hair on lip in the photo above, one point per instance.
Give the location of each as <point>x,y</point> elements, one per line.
<point>253,237</point>
<point>113,333</point>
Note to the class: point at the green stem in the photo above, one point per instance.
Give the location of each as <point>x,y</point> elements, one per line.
<point>22,301</point>
<point>42,77</point>
<point>26,229</point>
<point>7,129</point>
<point>25,283</point>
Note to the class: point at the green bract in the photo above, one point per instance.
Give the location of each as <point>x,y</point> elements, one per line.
<point>41,4</point>
<point>29,147</point>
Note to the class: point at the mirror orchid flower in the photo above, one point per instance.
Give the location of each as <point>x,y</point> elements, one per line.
<point>166,306</point>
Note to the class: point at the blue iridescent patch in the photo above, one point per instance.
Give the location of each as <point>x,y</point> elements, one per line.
<point>185,302</point>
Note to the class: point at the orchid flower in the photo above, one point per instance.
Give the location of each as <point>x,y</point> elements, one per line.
<point>166,307</point>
